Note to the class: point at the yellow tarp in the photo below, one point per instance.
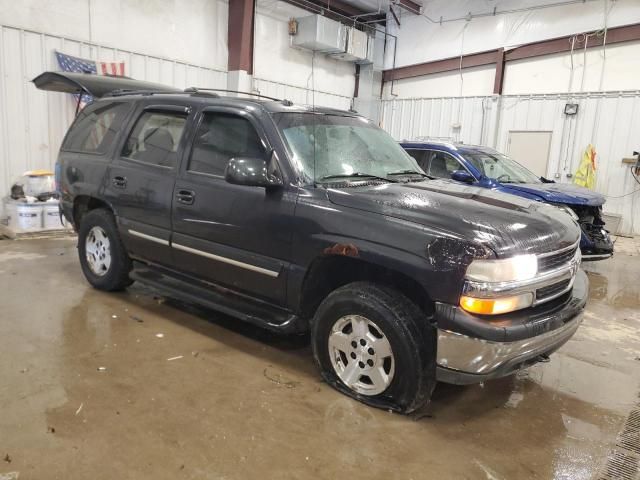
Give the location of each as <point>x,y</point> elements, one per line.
<point>586,174</point>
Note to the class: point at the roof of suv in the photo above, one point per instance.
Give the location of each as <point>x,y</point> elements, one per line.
<point>203,97</point>
<point>448,146</point>
<point>125,88</point>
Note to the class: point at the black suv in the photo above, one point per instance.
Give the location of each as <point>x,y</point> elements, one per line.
<point>310,219</point>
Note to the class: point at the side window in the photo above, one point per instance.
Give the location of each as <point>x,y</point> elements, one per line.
<point>442,165</point>
<point>155,138</point>
<point>421,156</point>
<point>476,162</point>
<point>95,128</point>
<point>221,137</point>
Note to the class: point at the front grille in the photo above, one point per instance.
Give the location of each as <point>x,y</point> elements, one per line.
<point>555,260</point>
<point>551,290</point>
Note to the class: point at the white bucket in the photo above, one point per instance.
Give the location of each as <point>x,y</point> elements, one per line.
<point>25,216</point>
<point>34,185</point>
<point>51,216</point>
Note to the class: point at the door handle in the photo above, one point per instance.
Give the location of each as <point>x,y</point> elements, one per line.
<point>119,182</point>
<point>186,197</point>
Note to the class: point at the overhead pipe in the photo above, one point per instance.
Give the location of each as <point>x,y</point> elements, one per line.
<point>495,12</point>
<point>312,7</point>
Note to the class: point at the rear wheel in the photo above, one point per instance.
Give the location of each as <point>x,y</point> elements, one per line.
<point>374,344</point>
<point>103,258</point>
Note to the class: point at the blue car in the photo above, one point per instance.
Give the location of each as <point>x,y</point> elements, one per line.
<point>487,168</point>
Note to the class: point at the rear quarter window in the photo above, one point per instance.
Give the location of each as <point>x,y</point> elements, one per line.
<point>95,128</point>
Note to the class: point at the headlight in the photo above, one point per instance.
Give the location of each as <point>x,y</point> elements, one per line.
<point>568,210</point>
<point>514,269</point>
<point>521,267</point>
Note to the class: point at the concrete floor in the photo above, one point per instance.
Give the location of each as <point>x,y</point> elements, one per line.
<point>89,390</point>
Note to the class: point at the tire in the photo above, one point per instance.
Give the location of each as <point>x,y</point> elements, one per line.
<point>107,266</point>
<point>402,381</point>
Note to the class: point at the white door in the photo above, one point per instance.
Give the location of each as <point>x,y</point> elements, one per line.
<point>531,149</point>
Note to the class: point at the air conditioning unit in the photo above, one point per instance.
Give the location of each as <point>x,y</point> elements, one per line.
<point>320,34</point>
<point>370,46</point>
<point>357,46</point>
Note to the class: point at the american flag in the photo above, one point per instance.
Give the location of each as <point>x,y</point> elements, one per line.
<point>74,64</point>
<point>69,63</point>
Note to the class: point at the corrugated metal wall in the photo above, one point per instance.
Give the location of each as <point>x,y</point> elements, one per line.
<point>611,121</point>
<point>33,123</point>
<point>412,118</point>
<point>301,95</point>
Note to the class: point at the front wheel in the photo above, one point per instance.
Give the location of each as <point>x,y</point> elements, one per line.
<point>103,258</point>
<point>372,343</point>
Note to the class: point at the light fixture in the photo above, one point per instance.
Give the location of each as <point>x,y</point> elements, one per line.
<point>571,109</point>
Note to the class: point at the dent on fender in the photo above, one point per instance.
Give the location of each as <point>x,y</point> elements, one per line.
<point>453,254</point>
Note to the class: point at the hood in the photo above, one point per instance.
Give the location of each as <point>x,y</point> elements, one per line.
<point>507,224</point>
<point>557,193</point>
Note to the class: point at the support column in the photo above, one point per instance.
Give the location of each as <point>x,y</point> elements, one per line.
<point>240,42</point>
<point>499,77</point>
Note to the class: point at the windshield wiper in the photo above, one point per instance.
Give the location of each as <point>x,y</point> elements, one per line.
<point>355,174</point>
<point>409,172</point>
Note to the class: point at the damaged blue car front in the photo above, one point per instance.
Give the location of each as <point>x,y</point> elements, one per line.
<point>487,168</point>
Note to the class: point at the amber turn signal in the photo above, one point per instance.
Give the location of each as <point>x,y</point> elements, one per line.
<point>495,306</point>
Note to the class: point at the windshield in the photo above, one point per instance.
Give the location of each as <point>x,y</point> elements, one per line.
<point>501,168</point>
<point>326,147</point>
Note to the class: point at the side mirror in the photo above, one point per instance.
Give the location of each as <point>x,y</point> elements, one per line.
<point>462,176</point>
<point>251,172</point>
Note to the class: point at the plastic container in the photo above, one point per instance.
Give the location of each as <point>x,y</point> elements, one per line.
<point>36,182</point>
<point>9,211</point>
<point>51,216</point>
<point>24,217</point>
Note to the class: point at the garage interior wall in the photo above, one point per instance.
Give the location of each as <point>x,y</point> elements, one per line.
<point>460,105</point>
<point>610,121</point>
<point>285,72</point>
<point>33,123</point>
<point>527,22</point>
<point>593,70</point>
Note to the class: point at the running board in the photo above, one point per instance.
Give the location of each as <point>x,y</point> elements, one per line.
<point>217,298</point>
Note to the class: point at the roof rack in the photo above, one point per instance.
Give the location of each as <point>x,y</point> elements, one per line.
<point>429,138</point>
<point>196,90</point>
<point>122,92</point>
<point>201,89</point>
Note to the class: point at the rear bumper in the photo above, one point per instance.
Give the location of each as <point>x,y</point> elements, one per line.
<point>473,349</point>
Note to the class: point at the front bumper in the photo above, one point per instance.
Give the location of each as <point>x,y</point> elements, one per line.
<point>472,349</point>
<point>595,243</point>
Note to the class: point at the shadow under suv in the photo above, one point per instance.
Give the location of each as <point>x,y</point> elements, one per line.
<point>302,219</point>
